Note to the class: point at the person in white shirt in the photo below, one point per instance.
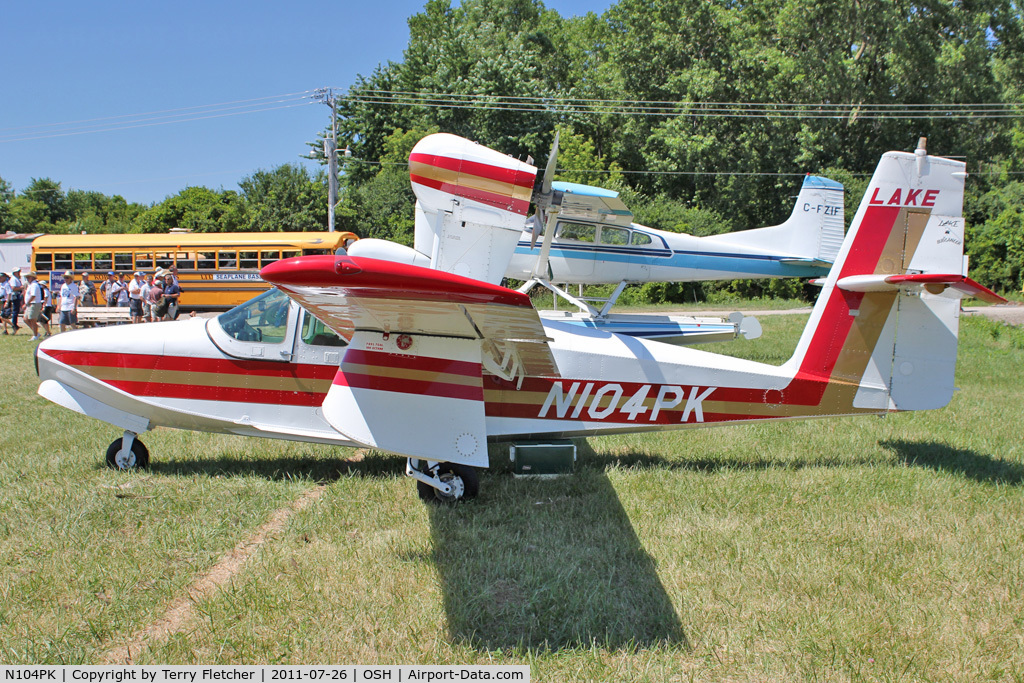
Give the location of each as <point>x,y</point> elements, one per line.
<point>47,314</point>
<point>135,297</point>
<point>33,304</point>
<point>68,302</point>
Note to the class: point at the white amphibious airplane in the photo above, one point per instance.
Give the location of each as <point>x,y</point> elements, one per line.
<point>468,224</point>
<point>439,364</point>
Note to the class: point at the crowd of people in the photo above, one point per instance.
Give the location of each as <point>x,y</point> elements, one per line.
<point>28,297</point>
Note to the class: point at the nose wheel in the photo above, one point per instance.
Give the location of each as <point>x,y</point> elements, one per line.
<point>127,453</point>
<point>444,482</point>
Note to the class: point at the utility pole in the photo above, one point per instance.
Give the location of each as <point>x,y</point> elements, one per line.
<point>326,95</point>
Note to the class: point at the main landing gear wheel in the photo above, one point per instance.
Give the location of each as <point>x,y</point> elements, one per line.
<point>464,480</point>
<point>137,458</point>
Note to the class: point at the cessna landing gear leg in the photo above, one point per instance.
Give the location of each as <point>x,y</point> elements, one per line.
<point>443,482</point>
<point>127,453</point>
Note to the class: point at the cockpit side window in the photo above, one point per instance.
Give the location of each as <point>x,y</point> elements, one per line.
<point>263,319</point>
<point>614,236</point>
<point>315,333</point>
<point>579,232</point>
<point>640,239</point>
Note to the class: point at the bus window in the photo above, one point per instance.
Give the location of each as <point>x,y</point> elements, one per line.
<point>289,254</point>
<point>162,259</point>
<point>268,257</point>
<point>143,260</point>
<point>83,261</point>
<point>315,333</point>
<point>640,239</point>
<point>123,262</point>
<point>104,264</point>
<point>227,259</point>
<point>62,262</point>
<point>184,261</point>
<point>314,252</point>
<point>43,262</point>
<point>248,259</point>
<point>614,236</point>
<point>206,260</point>
<point>576,231</point>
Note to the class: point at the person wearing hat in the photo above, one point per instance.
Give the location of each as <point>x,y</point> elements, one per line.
<point>135,297</point>
<point>47,315</point>
<point>33,304</point>
<point>68,302</point>
<point>87,290</point>
<point>170,297</point>
<point>108,297</point>
<point>17,295</point>
<point>5,299</point>
<point>122,291</point>
<point>154,297</point>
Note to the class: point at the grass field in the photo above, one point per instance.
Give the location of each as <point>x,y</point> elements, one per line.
<point>853,549</point>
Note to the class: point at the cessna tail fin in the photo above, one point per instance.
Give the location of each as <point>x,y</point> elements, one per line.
<point>883,334</point>
<point>813,233</point>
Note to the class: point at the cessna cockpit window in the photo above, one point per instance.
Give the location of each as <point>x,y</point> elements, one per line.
<point>640,239</point>
<point>264,319</point>
<point>614,236</point>
<point>576,231</point>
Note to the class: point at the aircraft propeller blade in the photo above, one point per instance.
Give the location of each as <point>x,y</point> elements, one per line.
<point>549,233</point>
<point>542,197</point>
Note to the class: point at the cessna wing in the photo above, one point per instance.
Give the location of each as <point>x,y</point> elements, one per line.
<point>411,380</point>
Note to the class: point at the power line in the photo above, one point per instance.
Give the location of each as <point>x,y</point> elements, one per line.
<point>783,110</point>
<point>303,93</point>
<point>146,122</point>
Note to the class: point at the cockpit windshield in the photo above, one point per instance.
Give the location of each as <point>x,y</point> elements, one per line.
<point>263,319</point>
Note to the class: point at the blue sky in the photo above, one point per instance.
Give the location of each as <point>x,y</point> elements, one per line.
<point>80,64</point>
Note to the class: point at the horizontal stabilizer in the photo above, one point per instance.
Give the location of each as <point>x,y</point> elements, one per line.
<point>933,283</point>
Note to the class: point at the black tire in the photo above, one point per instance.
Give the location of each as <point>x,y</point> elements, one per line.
<point>469,477</point>
<point>139,451</point>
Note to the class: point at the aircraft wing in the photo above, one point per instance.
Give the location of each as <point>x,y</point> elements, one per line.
<point>412,379</point>
<point>394,299</point>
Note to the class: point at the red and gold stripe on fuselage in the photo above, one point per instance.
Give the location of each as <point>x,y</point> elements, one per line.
<point>210,379</point>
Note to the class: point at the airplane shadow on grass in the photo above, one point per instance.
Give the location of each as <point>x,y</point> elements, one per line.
<point>549,564</point>
<point>318,469</point>
<point>961,461</point>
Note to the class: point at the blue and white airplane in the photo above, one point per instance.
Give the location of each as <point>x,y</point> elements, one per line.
<point>596,242</point>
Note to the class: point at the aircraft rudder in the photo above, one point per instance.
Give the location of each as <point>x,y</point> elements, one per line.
<point>873,328</point>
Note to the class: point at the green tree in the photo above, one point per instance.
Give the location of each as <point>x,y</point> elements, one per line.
<point>48,193</point>
<point>198,209</point>
<point>285,199</point>
<point>6,195</point>
<point>383,206</point>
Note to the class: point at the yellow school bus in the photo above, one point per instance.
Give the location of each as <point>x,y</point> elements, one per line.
<point>215,270</point>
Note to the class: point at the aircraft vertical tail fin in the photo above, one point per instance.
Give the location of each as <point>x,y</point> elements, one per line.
<point>812,234</point>
<point>883,334</point>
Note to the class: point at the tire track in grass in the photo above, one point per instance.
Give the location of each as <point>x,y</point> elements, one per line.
<point>181,609</point>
